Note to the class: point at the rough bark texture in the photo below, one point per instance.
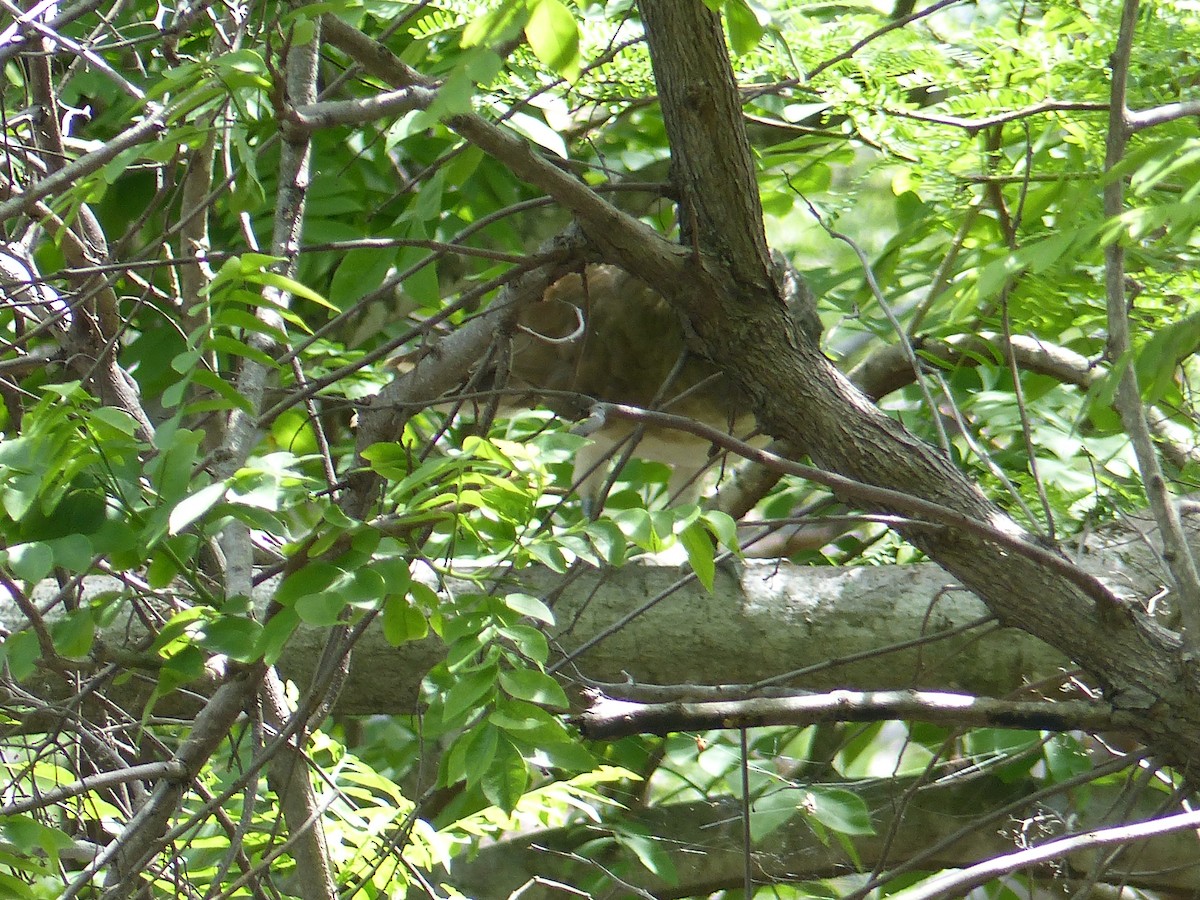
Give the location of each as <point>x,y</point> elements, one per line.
<point>801,398</point>
<point>764,619</point>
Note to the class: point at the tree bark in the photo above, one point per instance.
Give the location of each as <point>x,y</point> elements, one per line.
<point>800,397</point>
<point>834,626</point>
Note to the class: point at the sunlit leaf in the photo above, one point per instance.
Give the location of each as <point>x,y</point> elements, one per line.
<point>698,544</point>
<point>533,686</point>
<point>554,36</point>
<point>528,605</point>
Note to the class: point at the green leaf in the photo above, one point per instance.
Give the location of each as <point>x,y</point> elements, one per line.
<point>19,495</point>
<point>31,836</point>
<point>73,552</point>
<point>310,579</point>
<point>223,343</point>
<point>424,597</point>
<point>31,562</point>
<point>320,609</point>
<point>74,634</point>
<point>20,652</point>
<point>394,572</point>
<point>745,30</point>
<point>637,525</point>
<point>295,288</point>
<point>428,206</point>
<point>360,272</point>
<point>468,692</point>
<point>651,853</point>
<point>838,810</point>
<point>185,666</point>
<point>479,752</point>
<point>549,555</point>
<point>302,31</point>
<point>698,544</point>
<point>401,622</point>
<point>530,606</point>
<point>172,635</point>
<point>238,637</point>
<point>1159,358</point>
<point>770,812</point>
<point>530,642</point>
<point>554,37</point>
<point>507,778</point>
<point>519,716</point>
<point>275,634</point>
<point>539,132</point>
<point>608,540</point>
<point>171,470</point>
<point>496,25</point>
<point>363,587</point>
<point>115,418</point>
<point>556,750</point>
<point>723,527</point>
<point>191,508</point>
<point>534,686</point>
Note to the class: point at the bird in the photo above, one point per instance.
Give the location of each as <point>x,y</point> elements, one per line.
<point>600,334</point>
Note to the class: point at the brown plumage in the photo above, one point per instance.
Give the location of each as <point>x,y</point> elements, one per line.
<point>607,336</point>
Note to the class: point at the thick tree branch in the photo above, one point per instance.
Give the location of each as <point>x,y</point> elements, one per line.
<point>715,180</point>
<point>800,397</point>
<point>866,628</point>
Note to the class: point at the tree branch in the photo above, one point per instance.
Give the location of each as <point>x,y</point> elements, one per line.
<point>1129,398</point>
<point>800,397</point>
<point>608,719</point>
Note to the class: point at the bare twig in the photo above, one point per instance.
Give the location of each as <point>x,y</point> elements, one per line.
<point>607,719</point>
<point>959,883</point>
<point>153,124</point>
<point>972,126</point>
<point>885,498</point>
<point>1176,552</point>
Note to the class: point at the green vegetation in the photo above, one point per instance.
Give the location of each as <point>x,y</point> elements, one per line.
<point>301,598</point>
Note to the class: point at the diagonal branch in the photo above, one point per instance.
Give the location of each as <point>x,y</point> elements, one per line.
<point>800,396</point>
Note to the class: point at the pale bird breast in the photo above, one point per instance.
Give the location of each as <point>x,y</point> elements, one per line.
<point>605,335</point>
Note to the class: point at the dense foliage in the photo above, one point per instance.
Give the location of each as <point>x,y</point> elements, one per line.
<point>226,231</point>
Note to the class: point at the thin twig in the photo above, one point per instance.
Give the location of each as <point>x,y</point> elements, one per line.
<point>1176,551</point>
<point>905,343</point>
<point>1015,540</point>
